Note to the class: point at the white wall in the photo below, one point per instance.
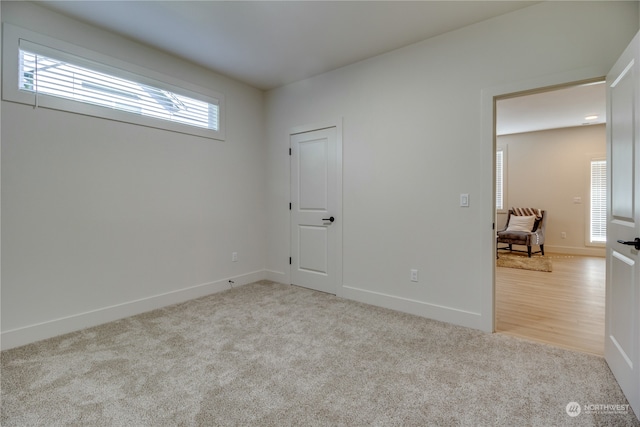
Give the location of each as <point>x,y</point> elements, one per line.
<point>102,219</point>
<point>548,169</point>
<point>413,141</point>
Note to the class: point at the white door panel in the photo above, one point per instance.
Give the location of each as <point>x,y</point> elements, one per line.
<point>621,119</point>
<point>313,244</point>
<point>621,293</point>
<point>313,169</point>
<point>622,316</point>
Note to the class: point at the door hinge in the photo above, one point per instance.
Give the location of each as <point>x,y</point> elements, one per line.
<point>289,260</point>
<point>289,151</point>
<point>493,226</point>
<point>289,206</point>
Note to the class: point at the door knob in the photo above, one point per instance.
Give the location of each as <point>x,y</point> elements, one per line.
<point>329,219</point>
<point>635,243</point>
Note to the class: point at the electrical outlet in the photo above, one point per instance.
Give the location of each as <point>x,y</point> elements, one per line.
<point>414,275</point>
<point>563,235</point>
<point>234,256</point>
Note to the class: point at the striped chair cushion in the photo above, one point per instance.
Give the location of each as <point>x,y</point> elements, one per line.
<point>527,212</point>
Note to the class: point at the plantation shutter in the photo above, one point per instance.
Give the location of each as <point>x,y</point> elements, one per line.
<point>499,179</point>
<point>598,223</point>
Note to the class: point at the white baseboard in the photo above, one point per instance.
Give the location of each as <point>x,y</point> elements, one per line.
<point>418,308</point>
<point>32,333</point>
<point>569,250</point>
<point>277,276</point>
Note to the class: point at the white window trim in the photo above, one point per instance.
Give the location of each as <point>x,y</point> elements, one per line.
<point>10,75</point>
<point>505,203</point>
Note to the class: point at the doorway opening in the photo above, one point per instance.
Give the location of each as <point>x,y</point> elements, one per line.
<point>546,142</point>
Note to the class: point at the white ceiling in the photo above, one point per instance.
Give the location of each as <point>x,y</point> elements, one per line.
<point>267,44</point>
<point>556,109</point>
<point>271,43</point>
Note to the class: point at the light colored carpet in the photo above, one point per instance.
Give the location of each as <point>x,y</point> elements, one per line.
<point>269,354</point>
<point>522,261</point>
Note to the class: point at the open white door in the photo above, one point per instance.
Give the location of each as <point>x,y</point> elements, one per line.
<point>622,318</point>
<point>315,210</point>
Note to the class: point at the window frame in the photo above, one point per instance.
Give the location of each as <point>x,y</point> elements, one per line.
<point>501,149</point>
<point>45,45</point>
<point>589,236</point>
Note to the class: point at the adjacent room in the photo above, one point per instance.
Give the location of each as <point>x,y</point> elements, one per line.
<point>551,153</point>
<point>276,213</point>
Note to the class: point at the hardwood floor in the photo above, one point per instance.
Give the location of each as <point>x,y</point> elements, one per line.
<point>563,308</point>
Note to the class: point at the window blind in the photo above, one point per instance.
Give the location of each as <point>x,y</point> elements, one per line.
<point>598,208</point>
<point>499,179</point>
<point>63,77</point>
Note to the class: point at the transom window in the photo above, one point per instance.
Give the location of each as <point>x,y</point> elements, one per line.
<point>44,72</point>
<point>48,76</point>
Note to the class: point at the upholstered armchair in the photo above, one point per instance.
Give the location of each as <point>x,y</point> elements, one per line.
<point>524,227</point>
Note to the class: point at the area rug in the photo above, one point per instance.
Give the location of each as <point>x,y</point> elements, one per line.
<point>521,261</point>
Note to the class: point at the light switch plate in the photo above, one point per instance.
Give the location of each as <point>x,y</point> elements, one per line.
<point>464,200</point>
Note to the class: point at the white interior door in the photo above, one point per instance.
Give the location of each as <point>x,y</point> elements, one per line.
<point>315,220</point>
<point>622,318</point>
